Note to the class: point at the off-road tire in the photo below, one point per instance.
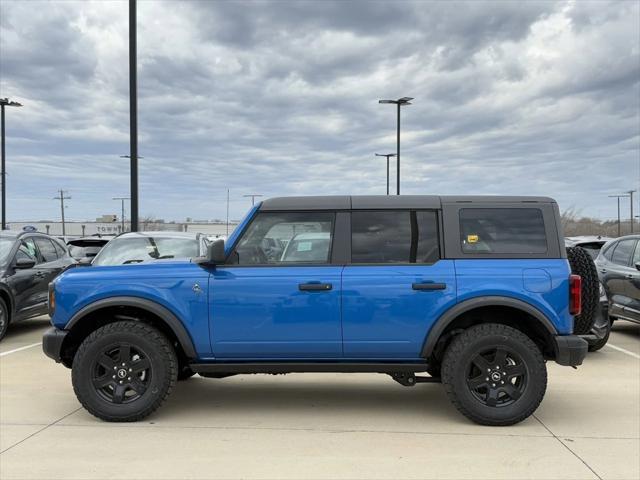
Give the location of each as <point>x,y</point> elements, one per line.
<point>4,319</point>
<point>595,345</point>
<point>470,344</point>
<point>582,264</point>
<point>163,370</point>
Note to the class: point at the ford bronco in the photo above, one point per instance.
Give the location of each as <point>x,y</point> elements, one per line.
<point>476,292</point>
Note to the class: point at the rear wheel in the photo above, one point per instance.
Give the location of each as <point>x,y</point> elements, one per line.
<point>494,374</point>
<point>4,319</point>
<point>123,371</point>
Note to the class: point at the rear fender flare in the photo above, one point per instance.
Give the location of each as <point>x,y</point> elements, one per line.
<point>485,301</point>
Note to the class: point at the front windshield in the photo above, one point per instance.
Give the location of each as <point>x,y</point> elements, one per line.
<point>135,250</point>
<point>5,248</point>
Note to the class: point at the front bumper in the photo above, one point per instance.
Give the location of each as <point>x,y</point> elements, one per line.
<point>570,350</point>
<point>52,343</point>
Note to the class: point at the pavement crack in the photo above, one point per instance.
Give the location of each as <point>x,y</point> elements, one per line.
<point>567,447</point>
<point>41,430</point>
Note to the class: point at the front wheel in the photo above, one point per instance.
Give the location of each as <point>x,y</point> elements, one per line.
<point>123,371</point>
<point>4,319</point>
<point>494,374</point>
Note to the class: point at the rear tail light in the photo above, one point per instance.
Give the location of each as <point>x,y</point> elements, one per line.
<point>575,294</point>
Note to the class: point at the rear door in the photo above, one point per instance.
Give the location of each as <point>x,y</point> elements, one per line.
<point>396,285</point>
<point>279,295</point>
<point>616,272</point>
<point>633,287</point>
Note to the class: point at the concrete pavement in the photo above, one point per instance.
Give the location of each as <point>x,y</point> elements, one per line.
<point>320,425</point>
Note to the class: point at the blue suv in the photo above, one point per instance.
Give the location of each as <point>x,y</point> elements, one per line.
<point>475,291</point>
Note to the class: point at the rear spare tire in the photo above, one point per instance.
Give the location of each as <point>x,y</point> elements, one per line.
<point>582,264</point>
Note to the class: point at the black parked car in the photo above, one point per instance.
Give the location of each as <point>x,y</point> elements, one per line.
<point>28,262</point>
<point>618,267</point>
<point>619,271</point>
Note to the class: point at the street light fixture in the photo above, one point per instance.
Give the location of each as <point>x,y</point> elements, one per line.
<point>122,199</point>
<point>253,198</point>
<point>399,102</point>
<point>386,155</point>
<point>4,102</point>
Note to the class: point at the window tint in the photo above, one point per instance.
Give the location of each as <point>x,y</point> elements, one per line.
<point>60,250</point>
<point>502,230</point>
<point>47,250</point>
<point>290,237</point>
<point>25,252</point>
<point>394,237</point>
<point>28,246</point>
<point>622,252</point>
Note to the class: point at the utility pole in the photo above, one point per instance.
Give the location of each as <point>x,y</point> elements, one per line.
<point>399,102</point>
<point>253,198</point>
<point>631,192</point>
<point>618,197</point>
<point>4,102</point>
<point>62,198</point>
<point>133,112</point>
<point>122,199</point>
<point>227,212</point>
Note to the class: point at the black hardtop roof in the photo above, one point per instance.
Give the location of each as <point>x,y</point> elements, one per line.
<point>366,202</point>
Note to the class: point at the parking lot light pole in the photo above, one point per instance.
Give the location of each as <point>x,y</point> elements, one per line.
<point>618,197</point>
<point>253,198</point>
<point>399,102</point>
<point>122,199</point>
<point>386,155</point>
<point>4,102</point>
<point>133,113</point>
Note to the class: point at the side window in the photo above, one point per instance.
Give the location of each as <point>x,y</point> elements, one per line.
<point>286,238</point>
<point>502,231</point>
<point>394,237</point>
<point>47,250</point>
<point>24,252</point>
<point>636,256</point>
<point>622,252</point>
<point>60,250</point>
<point>28,247</point>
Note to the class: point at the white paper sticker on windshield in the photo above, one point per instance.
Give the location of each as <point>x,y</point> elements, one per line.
<point>304,246</point>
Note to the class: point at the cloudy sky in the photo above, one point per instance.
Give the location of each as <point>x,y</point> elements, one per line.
<point>281,98</point>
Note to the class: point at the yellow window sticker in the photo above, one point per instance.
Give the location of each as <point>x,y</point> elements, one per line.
<point>472,238</point>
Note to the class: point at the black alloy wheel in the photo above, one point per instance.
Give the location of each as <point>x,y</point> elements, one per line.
<point>121,373</point>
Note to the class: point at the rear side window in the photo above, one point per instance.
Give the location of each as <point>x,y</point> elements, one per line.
<point>502,231</point>
<point>47,250</point>
<point>61,251</point>
<point>622,252</point>
<point>394,237</point>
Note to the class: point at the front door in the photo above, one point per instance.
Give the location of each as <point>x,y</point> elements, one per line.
<point>278,297</point>
<point>616,271</point>
<point>396,286</point>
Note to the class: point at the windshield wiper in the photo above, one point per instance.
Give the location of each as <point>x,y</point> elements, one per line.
<point>133,260</point>
<point>164,256</point>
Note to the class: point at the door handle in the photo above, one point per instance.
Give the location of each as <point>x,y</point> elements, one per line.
<point>428,286</point>
<point>314,287</point>
<point>603,270</point>
<point>40,274</point>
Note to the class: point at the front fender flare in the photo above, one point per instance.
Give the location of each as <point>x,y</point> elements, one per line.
<point>166,315</point>
<point>485,301</point>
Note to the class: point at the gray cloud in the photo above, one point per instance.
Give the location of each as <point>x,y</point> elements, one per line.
<point>281,97</point>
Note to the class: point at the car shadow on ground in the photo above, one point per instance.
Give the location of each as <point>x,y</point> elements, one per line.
<point>252,397</point>
<point>24,327</point>
<point>628,329</point>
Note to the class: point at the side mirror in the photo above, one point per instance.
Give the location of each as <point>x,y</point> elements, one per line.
<point>25,263</point>
<point>215,253</point>
<point>637,266</point>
